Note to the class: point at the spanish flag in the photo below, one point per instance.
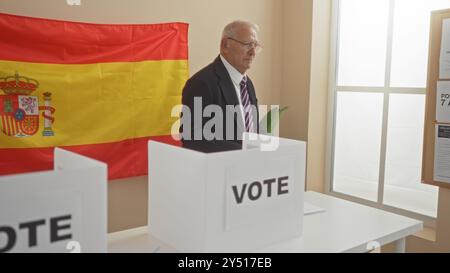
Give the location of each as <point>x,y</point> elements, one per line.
<point>95,89</point>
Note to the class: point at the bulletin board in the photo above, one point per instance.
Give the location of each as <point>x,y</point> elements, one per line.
<point>434,76</point>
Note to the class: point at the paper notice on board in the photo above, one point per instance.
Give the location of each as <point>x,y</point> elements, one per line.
<point>442,154</point>
<point>443,101</point>
<point>444,60</point>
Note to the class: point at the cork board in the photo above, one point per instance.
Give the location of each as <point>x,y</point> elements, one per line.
<point>430,108</point>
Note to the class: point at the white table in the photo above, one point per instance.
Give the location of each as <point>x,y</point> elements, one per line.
<point>343,227</point>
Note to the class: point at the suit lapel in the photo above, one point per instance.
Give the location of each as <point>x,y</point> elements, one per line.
<point>228,90</point>
<point>251,92</point>
<point>225,83</point>
<point>253,101</point>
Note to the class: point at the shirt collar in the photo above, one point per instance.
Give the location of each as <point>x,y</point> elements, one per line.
<point>235,75</point>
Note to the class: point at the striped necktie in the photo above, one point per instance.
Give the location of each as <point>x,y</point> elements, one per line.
<point>245,98</point>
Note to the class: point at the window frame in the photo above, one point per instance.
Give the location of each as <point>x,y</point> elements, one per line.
<point>333,88</point>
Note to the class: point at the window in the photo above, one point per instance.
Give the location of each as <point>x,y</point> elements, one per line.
<point>379,59</point>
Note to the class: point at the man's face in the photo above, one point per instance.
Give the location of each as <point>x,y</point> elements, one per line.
<point>236,53</point>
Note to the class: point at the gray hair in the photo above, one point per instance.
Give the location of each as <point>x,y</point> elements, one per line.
<point>231,29</point>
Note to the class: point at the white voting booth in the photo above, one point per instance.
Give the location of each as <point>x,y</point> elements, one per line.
<point>239,200</point>
<point>63,210</point>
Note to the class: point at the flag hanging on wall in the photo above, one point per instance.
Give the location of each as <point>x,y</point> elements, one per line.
<point>95,89</point>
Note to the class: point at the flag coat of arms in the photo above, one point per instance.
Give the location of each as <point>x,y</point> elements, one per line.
<point>100,90</point>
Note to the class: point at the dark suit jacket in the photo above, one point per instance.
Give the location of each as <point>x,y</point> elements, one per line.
<point>214,86</point>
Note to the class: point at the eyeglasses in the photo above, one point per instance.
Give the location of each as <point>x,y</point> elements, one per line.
<point>250,45</point>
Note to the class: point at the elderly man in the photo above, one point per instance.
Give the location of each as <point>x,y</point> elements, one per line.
<point>224,85</point>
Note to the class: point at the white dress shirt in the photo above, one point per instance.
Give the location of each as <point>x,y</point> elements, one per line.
<point>236,78</point>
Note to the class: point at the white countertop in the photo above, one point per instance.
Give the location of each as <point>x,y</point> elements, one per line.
<point>343,227</point>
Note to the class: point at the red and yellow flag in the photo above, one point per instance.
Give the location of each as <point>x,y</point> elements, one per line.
<point>98,90</point>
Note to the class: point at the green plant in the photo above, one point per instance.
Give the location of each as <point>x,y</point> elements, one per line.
<point>271,119</point>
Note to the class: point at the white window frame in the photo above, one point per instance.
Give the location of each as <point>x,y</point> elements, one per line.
<point>333,88</point>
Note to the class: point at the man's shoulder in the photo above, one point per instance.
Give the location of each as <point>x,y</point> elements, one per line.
<point>206,74</point>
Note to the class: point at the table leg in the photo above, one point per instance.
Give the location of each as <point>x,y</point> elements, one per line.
<point>399,245</point>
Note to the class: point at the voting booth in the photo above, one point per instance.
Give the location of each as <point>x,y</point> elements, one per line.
<point>63,210</point>
<point>238,200</point>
